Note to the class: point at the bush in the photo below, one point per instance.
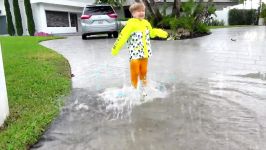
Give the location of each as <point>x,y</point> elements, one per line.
<point>182,22</point>
<point>214,22</point>
<point>165,22</point>
<point>10,25</point>
<point>30,21</point>
<point>242,17</point>
<point>201,28</point>
<point>263,11</point>
<point>17,18</point>
<point>193,19</point>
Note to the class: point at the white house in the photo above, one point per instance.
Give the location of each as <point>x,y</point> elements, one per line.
<point>62,16</point>
<point>58,16</point>
<point>248,4</point>
<point>4,110</point>
<point>2,18</point>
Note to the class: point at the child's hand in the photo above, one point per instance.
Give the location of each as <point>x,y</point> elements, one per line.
<point>165,34</point>
<point>160,33</point>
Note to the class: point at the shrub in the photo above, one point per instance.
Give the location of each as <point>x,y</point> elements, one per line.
<point>41,34</point>
<point>263,11</point>
<point>10,25</point>
<point>214,22</point>
<point>30,21</point>
<point>17,18</point>
<point>201,28</point>
<point>242,17</point>
<point>165,22</point>
<point>182,22</point>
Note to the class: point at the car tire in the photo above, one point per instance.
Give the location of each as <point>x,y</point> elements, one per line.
<point>84,36</point>
<point>109,35</point>
<point>115,34</point>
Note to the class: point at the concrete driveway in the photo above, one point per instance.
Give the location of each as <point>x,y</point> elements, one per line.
<point>205,93</point>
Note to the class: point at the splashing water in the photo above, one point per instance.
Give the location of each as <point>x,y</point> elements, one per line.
<point>120,101</point>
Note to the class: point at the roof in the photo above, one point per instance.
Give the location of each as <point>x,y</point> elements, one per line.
<point>62,2</point>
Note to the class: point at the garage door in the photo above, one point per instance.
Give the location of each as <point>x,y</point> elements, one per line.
<point>3,29</point>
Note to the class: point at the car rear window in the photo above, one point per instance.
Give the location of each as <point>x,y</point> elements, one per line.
<point>98,10</point>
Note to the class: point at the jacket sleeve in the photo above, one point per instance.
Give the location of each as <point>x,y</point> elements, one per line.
<point>122,38</point>
<point>155,32</point>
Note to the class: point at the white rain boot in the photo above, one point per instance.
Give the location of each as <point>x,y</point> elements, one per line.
<point>142,90</point>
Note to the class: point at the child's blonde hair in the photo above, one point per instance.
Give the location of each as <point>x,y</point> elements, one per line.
<point>136,6</point>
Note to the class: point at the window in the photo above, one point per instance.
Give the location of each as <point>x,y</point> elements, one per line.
<point>73,19</point>
<point>57,19</point>
<point>98,10</point>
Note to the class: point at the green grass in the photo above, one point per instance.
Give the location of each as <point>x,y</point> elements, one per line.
<point>232,26</point>
<point>38,79</point>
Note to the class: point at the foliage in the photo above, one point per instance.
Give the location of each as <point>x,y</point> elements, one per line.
<point>214,22</point>
<point>201,28</point>
<point>30,20</point>
<point>18,20</point>
<point>165,22</point>
<point>182,22</point>
<point>263,11</point>
<point>242,17</point>
<point>10,25</point>
<point>194,18</point>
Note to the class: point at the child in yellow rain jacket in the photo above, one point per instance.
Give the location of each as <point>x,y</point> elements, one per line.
<point>137,33</point>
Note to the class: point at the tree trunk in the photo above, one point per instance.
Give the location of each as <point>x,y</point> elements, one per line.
<point>122,11</point>
<point>164,7</point>
<point>151,11</point>
<point>156,10</point>
<point>176,8</point>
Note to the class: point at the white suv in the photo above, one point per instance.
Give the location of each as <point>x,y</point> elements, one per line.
<point>99,19</point>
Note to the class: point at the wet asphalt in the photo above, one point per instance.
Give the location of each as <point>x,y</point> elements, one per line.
<point>216,98</point>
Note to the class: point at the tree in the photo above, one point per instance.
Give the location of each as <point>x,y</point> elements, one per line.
<point>17,18</point>
<point>176,8</point>
<point>30,20</point>
<point>10,25</point>
<point>153,10</point>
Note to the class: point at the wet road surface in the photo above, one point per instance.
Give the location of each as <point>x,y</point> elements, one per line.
<point>207,93</point>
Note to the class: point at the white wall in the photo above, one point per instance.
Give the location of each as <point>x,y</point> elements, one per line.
<point>222,15</point>
<point>4,111</point>
<point>23,17</point>
<point>40,17</point>
<point>249,4</point>
<point>2,8</point>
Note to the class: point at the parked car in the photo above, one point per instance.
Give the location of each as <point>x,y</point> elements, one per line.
<point>99,19</point>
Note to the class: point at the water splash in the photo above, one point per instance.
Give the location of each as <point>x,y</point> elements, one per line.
<point>120,101</point>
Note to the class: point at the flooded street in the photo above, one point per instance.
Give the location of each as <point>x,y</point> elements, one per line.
<point>206,93</point>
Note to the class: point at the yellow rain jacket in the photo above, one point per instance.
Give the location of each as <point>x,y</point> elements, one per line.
<point>137,33</point>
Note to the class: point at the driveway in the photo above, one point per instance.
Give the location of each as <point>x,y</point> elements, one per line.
<point>204,93</point>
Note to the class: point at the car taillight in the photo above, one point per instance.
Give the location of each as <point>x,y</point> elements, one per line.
<point>85,16</point>
<point>112,15</point>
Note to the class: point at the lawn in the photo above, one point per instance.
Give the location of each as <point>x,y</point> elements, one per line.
<point>38,80</point>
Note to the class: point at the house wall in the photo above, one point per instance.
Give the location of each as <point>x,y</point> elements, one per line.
<point>3,29</point>
<point>40,17</point>
<point>2,8</point>
<point>223,14</point>
<point>4,110</point>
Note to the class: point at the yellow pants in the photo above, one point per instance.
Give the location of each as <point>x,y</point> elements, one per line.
<point>138,69</point>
